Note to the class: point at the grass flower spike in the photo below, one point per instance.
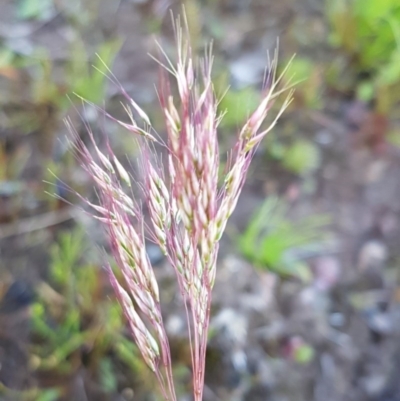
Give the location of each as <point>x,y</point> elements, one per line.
<point>188,209</point>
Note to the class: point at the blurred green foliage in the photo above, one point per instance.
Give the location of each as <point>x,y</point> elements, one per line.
<point>39,83</point>
<point>301,157</point>
<point>88,81</point>
<point>308,77</point>
<point>369,32</point>
<point>273,241</point>
<point>36,394</point>
<point>75,324</point>
<point>238,106</point>
<point>34,9</point>
<point>304,354</point>
<point>368,29</point>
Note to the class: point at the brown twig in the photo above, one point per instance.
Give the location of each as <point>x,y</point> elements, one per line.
<point>36,223</point>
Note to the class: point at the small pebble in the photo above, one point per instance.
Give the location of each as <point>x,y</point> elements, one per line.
<point>337,319</point>
<point>373,253</point>
<point>127,394</point>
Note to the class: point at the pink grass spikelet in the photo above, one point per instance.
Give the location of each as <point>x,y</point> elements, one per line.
<point>188,209</point>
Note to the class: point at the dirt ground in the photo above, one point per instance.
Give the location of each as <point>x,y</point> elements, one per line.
<point>348,312</point>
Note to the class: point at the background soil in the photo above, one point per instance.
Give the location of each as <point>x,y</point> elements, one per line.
<point>347,312</point>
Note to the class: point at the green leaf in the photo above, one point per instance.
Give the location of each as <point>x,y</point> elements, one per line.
<point>108,380</point>
<point>373,10</point>
<point>302,157</point>
<point>238,106</point>
<point>88,82</point>
<point>6,57</point>
<point>48,395</point>
<point>34,9</point>
<point>301,68</point>
<point>365,91</point>
<point>272,241</point>
<point>251,237</point>
<point>390,73</point>
<point>304,354</point>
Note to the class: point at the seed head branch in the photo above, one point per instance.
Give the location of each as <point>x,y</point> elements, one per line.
<point>188,210</point>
